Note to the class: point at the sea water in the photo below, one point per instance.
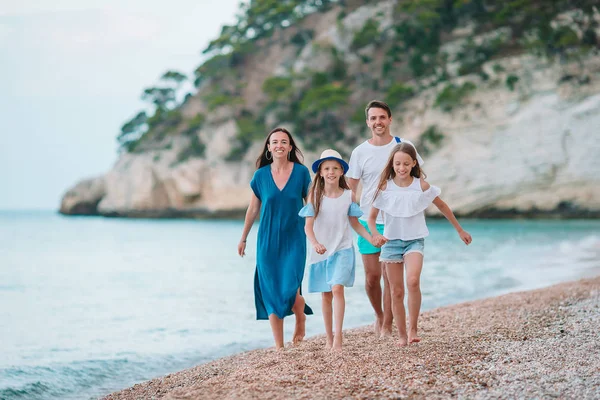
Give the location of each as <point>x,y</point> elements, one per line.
<point>92,305</point>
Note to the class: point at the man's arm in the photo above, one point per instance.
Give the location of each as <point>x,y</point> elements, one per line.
<point>353,183</point>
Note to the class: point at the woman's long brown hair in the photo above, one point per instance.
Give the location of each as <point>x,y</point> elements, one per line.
<point>388,172</point>
<point>317,188</point>
<point>295,154</point>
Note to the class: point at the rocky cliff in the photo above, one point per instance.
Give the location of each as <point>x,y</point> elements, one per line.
<point>516,136</point>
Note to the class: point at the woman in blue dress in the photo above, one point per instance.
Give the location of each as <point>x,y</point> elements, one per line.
<point>279,189</point>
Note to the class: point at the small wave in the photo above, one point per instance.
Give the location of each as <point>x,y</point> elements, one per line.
<point>93,378</point>
<point>65,381</point>
<point>587,243</point>
<point>33,390</point>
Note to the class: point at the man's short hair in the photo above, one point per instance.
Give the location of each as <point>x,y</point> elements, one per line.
<point>378,104</point>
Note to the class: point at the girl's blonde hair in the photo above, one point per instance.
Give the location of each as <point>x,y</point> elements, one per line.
<point>315,195</point>
<point>388,172</point>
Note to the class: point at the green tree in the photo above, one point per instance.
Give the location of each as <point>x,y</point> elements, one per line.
<point>430,140</point>
<point>132,130</point>
<point>323,97</point>
<point>162,97</point>
<point>278,87</point>
<point>397,93</point>
<point>511,81</point>
<point>453,96</point>
<point>215,67</point>
<point>367,35</point>
<point>258,19</point>
<point>174,76</point>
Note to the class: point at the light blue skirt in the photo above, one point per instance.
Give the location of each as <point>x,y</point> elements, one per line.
<point>337,269</point>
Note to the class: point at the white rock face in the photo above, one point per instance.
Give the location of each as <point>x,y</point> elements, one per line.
<point>535,148</point>
<point>84,197</point>
<point>544,154</point>
<point>155,181</point>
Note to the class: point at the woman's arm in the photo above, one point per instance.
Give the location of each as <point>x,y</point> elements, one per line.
<point>447,212</point>
<point>251,213</point>
<point>310,234</point>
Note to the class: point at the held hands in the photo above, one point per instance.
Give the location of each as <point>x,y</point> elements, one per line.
<point>242,248</point>
<point>465,236</point>
<point>378,240</point>
<point>319,248</point>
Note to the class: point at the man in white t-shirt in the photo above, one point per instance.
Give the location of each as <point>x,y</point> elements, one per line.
<point>366,164</point>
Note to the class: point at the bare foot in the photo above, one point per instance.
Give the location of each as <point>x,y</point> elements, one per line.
<point>412,335</point>
<point>329,343</point>
<point>378,325</point>
<point>386,333</point>
<point>387,327</point>
<point>413,338</point>
<point>337,343</point>
<point>403,341</point>
<point>300,329</point>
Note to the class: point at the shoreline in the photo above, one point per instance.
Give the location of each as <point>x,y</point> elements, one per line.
<point>239,214</point>
<point>500,347</point>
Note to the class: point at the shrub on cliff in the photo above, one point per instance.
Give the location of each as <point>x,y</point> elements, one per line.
<point>430,140</point>
<point>195,149</point>
<point>369,34</point>
<point>453,96</point>
<point>397,93</point>
<point>278,88</point>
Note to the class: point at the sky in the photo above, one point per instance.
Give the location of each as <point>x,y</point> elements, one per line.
<point>72,72</point>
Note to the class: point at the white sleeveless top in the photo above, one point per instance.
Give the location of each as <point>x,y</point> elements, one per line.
<point>332,226</point>
<point>403,209</point>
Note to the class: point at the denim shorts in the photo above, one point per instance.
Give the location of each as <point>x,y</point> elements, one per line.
<point>364,246</point>
<point>395,250</point>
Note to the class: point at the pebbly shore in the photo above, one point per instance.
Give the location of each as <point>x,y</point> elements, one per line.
<point>543,343</point>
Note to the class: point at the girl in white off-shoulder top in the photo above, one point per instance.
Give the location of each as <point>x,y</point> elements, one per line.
<point>402,196</point>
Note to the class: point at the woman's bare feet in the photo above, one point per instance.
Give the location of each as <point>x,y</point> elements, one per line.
<point>300,329</point>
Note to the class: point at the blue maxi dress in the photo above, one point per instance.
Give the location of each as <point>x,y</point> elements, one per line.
<point>281,253</point>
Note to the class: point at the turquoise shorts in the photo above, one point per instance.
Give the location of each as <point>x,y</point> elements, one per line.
<point>364,247</point>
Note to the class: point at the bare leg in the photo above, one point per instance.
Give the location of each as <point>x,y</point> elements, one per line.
<point>277,328</point>
<point>298,309</point>
<point>395,272</point>
<point>326,299</point>
<point>373,286</point>
<point>339,305</point>
<point>414,265</point>
<point>386,329</point>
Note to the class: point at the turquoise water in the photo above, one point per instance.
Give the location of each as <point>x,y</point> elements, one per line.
<point>93,305</point>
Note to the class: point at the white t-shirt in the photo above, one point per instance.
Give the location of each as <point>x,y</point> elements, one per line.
<point>366,163</point>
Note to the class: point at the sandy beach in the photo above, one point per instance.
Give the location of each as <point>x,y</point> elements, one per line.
<point>537,344</point>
